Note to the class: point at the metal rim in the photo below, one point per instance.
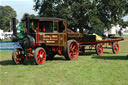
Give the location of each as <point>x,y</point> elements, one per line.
<point>18,57</point>
<point>99,49</point>
<point>41,56</point>
<point>73,50</point>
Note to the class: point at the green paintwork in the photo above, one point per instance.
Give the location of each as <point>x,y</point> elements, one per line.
<point>20,31</point>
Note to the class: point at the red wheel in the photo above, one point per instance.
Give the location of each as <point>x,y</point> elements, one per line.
<point>40,55</point>
<point>71,51</point>
<point>99,49</point>
<point>17,56</point>
<point>115,48</point>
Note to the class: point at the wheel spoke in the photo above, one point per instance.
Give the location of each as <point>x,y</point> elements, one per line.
<point>16,54</point>
<point>38,57</point>
<point>73,47</point>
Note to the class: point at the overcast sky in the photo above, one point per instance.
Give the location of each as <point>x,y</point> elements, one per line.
<point>20,6</point>
<point>25,6</point>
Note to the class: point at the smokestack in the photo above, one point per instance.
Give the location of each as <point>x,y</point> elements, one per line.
<point>14,36</point>
<point>14,25</point>
<point>27,24</point>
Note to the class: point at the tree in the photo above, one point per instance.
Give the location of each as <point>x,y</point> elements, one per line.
<point>6,15</point>
<point>24,17</point>
<point>95,15</point>
<point>27,15</point>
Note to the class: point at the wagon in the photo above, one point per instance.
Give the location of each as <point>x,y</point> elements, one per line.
<point>41,38</point>
<point>99,45</point>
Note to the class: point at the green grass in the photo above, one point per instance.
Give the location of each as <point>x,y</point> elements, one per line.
<point>5,40</point>
<point>90,69</point>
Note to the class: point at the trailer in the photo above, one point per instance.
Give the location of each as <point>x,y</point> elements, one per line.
<point>99,45</point>
<point>41,38</point>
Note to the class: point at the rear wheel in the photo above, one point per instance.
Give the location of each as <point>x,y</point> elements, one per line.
<point>99,49</point>
<point>40,55</point>
<point>115,48</point>
<point>17,56</point>
<point>71,51</point>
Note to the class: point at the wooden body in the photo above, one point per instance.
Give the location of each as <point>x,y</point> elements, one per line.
<point>57,37</point>
<point>52,39</point>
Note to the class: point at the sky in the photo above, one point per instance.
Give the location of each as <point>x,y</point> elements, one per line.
<point>25,6</point>
<point>20,6</point>
<point>126,18</point>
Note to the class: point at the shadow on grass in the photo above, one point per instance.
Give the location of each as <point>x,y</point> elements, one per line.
<point>58,59</point>
<point>29,61</point>
<point>91,53</point>
<point>7,62</point>
<point>10,62</point>
<point>87,53</point>
<point>111,57</point>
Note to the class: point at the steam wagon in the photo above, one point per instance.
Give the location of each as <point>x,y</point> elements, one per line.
<point>42,38</point>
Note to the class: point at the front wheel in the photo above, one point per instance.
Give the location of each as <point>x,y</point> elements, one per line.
<point>17,56</point>
<point>40,55</point>
<point>99,49</point>
<point>71,51</point>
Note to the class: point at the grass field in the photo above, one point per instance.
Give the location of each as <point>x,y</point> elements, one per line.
<point>90,69</point>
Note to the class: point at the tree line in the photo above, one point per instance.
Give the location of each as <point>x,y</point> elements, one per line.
<point>6,15</point>
<point>95,15</point>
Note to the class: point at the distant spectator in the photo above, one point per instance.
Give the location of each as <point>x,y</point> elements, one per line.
<point>120,32</point>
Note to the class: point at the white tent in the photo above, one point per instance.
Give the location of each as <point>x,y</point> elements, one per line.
<point>1,34</point>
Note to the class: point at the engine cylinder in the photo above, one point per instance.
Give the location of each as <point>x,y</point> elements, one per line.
<point>28,42</point>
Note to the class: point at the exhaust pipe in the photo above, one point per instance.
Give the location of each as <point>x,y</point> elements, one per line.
<point>14,25</point>
<point>27,24</point>
<point>14,36</point>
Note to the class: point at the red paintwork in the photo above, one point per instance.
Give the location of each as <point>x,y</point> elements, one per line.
<point>73,50</point>
<point>19,58</point>
<point>41,56</point>
<point>105,42</point>
<point>116,48</point>
<point>100,50</point>
<point>100,41</point>
<point>44,30</point>
<point>57,49</point>
<point>29,53</point>
<point>37,44</point>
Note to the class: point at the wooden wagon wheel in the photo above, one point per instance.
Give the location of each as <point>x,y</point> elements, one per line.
<point>115,48</point>
<point>99,49</point>
<point>71,51</point>
<point>40,55</point>
<point>17,56</point>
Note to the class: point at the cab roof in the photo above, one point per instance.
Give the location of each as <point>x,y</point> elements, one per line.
<point>46,19</point>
